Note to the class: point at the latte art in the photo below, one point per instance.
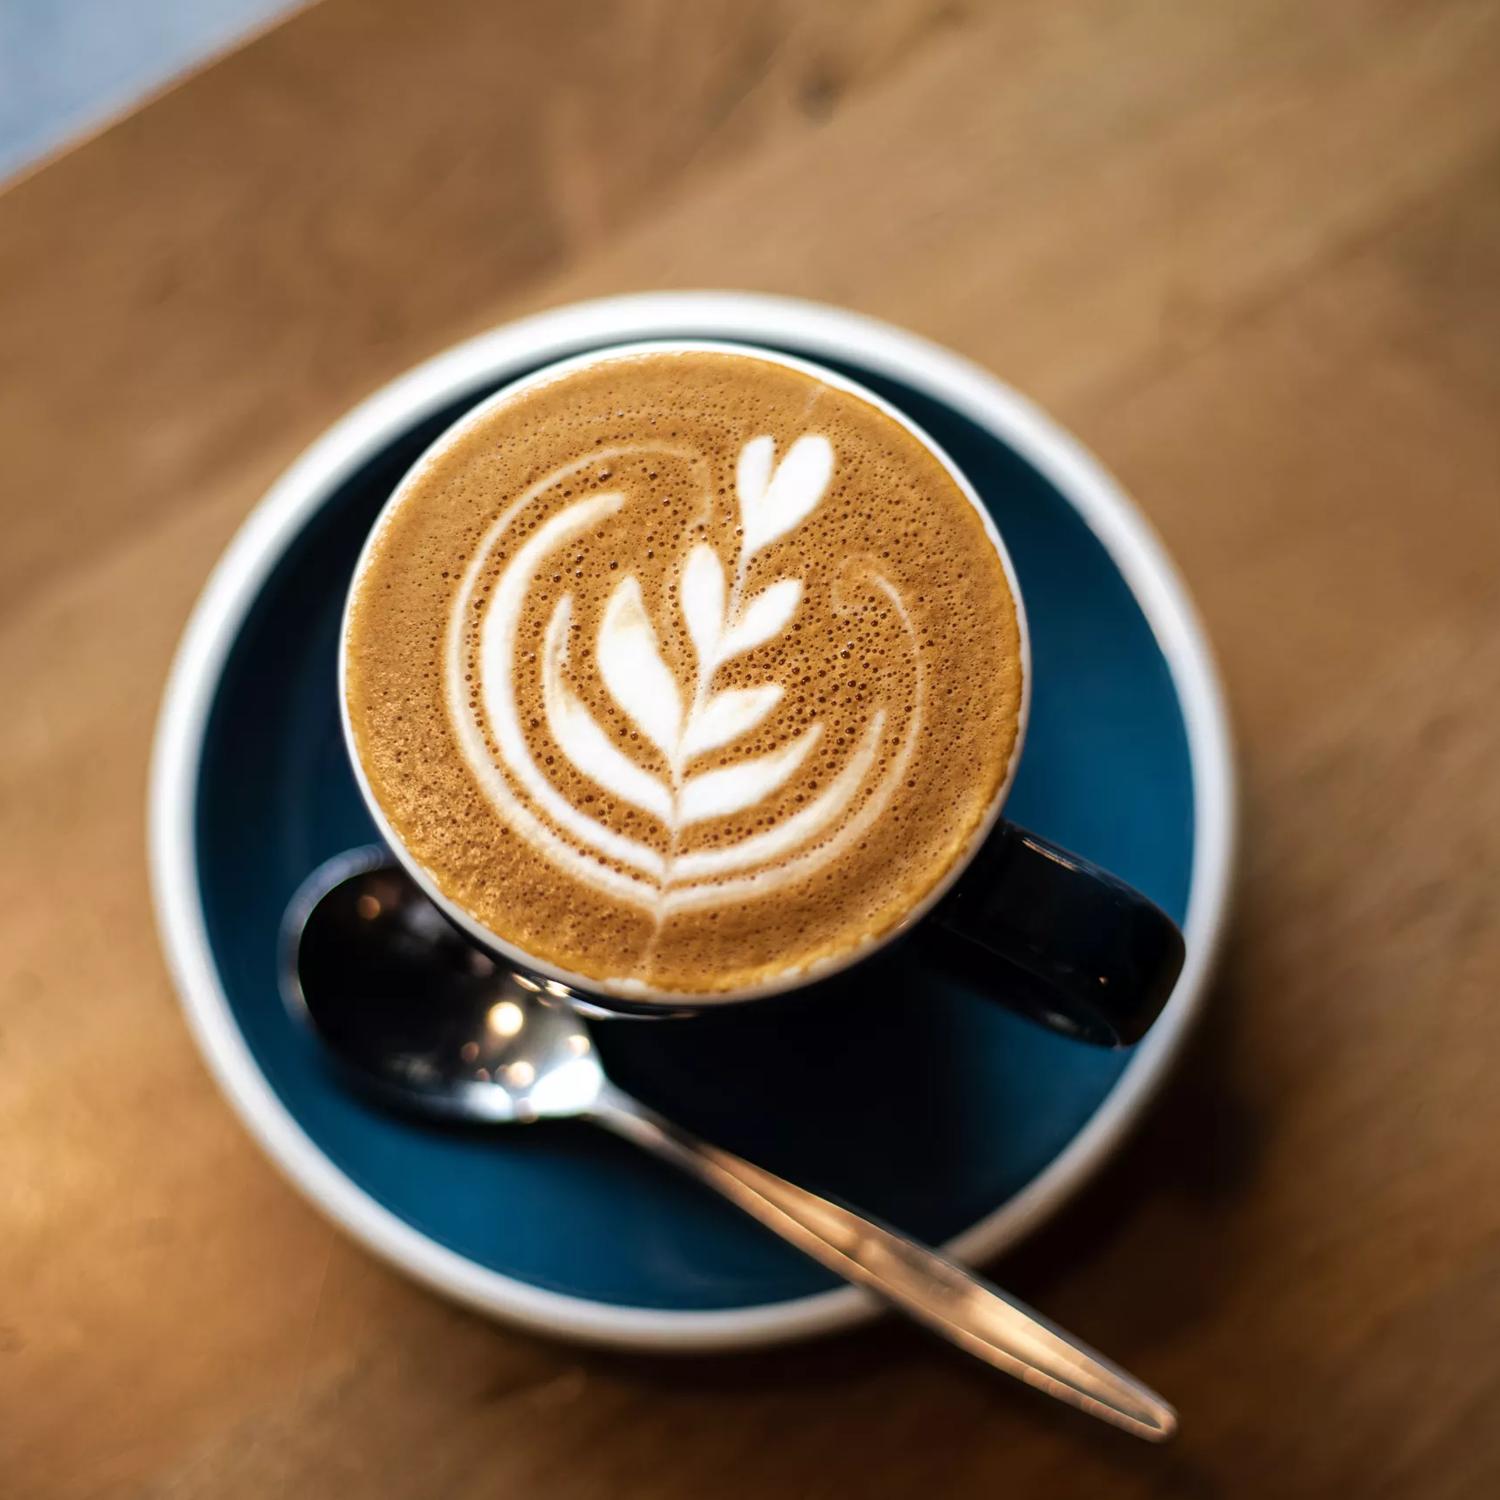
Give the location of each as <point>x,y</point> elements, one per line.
<point>683,671</point>
<point>681,721</point>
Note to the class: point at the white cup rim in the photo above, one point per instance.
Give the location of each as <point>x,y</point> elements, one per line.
<point>633,993</point>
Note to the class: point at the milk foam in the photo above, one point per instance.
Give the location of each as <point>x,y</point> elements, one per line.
<point>683,670</point>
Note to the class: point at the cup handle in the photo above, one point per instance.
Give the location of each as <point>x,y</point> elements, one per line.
<point>1056,938</point>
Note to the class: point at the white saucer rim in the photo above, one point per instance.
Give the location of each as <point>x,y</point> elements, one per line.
<point>821,332</point>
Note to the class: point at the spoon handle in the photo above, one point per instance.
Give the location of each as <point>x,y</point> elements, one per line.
<point>928,1287</point>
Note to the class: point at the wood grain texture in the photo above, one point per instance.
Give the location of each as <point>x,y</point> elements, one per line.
<point>1250,253</point>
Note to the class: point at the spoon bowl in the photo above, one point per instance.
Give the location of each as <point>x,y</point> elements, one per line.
<point>420,1015</point>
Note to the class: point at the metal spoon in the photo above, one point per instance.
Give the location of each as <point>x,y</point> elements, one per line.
<point>431,1024</point>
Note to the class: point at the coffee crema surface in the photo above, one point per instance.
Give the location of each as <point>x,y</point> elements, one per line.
<point>684,671</point>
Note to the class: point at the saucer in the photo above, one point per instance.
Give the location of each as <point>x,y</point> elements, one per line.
<point>892,1088</point>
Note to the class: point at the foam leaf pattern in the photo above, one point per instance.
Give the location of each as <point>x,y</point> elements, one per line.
<point>764,618</point>
<point>731,789</point>
<point>579,735</point>
<point>728,715</point>
<point>631,664</point>
<point>753,472</point>
<point>772,502</point>
<point>703,600</point>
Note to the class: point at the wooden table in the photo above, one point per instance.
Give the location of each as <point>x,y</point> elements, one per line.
<point>1251,253</point>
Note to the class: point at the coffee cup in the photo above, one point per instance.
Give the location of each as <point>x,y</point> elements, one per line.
<point>1025,922</point>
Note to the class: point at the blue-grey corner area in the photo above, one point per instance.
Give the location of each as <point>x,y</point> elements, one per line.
<point>68,66</point>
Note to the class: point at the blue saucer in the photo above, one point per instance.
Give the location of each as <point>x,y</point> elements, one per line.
<point>890,1087</point>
